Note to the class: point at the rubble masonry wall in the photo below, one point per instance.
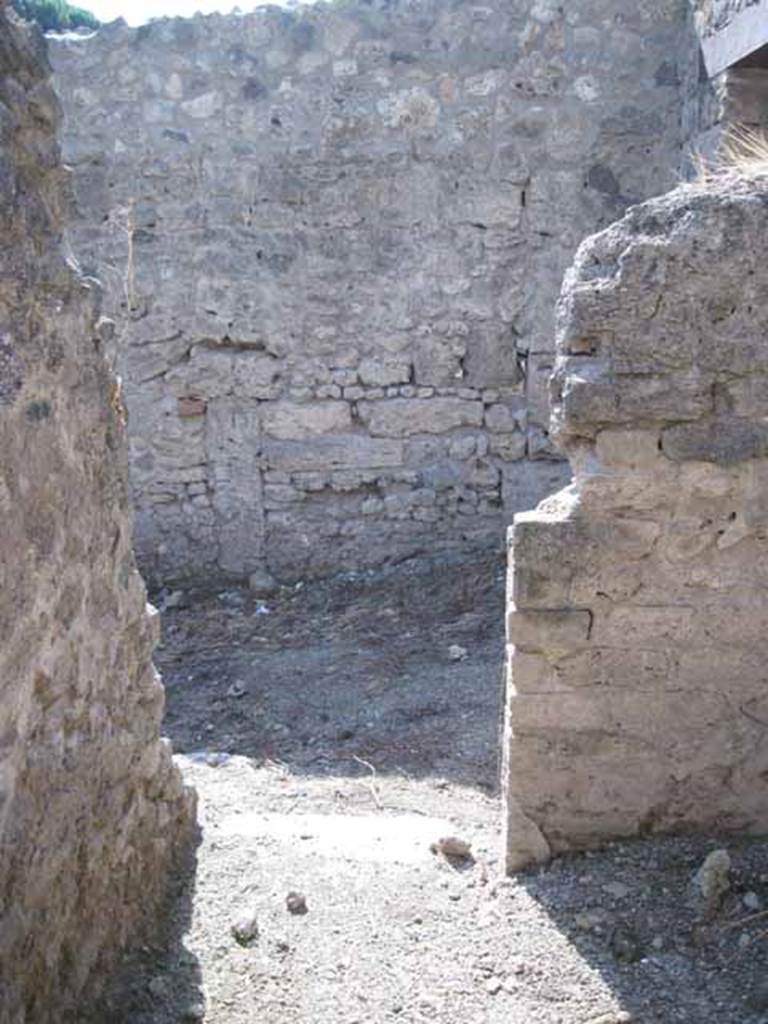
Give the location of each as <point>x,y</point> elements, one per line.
<point>91,805</point>
<point>332,240</point>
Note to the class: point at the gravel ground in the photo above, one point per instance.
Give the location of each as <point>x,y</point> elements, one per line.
<point>333,739</point>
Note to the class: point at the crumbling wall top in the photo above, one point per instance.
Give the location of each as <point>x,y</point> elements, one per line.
<point>636,691</point>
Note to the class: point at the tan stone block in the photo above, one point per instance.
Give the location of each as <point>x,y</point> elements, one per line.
<point>653,628</point>
<point>553,632</point>
<point>382,372</point>
<point>333,451</point>
<point>617,668</point>
<point>630,449</point>
<point>400,417</point>
<point>533,673</point>
<point>294,421</point>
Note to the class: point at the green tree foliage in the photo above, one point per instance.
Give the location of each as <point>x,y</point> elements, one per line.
<point>54,15</point>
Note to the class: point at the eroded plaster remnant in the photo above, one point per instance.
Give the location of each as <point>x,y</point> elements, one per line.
<point>91,804</point>
<point>638,596</point>
<point>333,240</point>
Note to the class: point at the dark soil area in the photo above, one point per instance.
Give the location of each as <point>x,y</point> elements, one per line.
<point>357,667</point>
<point>333,738</point>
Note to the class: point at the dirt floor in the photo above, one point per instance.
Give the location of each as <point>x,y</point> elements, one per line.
<point>333,737</point>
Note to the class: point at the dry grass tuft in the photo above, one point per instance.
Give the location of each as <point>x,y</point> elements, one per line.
<point>743,157</point>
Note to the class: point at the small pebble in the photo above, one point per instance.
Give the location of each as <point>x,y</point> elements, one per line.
<point>296,902</point>
<point>452,846</point>
<point>751,900</point>
<point>616,889</point>
<point>457,653</point>
<point>246,928</point>
<point>713,877</point>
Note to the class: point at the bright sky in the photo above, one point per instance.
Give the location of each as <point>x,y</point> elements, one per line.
<point>136,12</point>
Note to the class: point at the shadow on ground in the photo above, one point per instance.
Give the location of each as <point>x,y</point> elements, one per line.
<point>160,980</point>
<point>634,915</point>
<point>333,737</point>
<point>338,676</point>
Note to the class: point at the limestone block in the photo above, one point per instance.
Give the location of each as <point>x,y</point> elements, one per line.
<point>588,395</point>
<point>553,632</point>
<point>438,361</point>
<point>603,490</point>
<point>291,421</point>
<point>547,554</point>
<point>532,673</point>
<point>628,449</point>
<point>342,451</point>
<point>647,627</point>
<point>254,375</point>
<point>383,372</point>
<point>509,447</point>
<point>505,418</point>
<point>208,373</point>
<point>492,358</point>
<point>233,444</point>
<point>725,440</point>
<point>616,668</point>
<point>402,416</point>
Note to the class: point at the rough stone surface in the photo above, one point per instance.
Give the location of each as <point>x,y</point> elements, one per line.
<point>731,31</point>
<point>333,239</point>
<point>725,81</point>
<point>637,613</point>
<point>91,804</point>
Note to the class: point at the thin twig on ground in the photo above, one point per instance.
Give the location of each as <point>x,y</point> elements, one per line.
<point>761,915</point>
<point>372,784</point>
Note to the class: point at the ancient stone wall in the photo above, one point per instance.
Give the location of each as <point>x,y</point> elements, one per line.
<point>639,595</point>
<point>91,805</point>
<point>333,240</point>
<point>726,81</point>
